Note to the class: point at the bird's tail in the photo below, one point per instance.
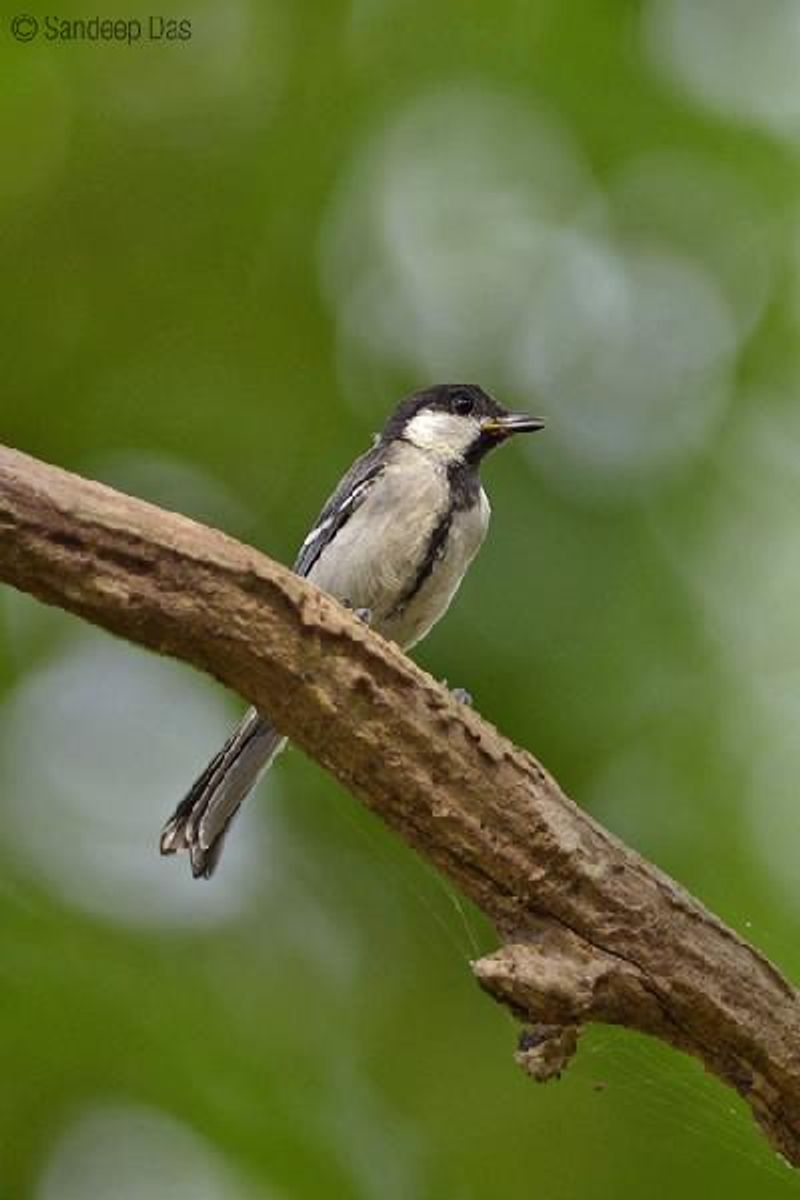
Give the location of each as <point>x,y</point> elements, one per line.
<point>202,818</point>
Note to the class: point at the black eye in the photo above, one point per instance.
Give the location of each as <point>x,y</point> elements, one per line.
<point>462,404</point>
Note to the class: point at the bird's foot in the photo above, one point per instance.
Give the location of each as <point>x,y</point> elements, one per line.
<point>363,614</point>
<point>461,695</point>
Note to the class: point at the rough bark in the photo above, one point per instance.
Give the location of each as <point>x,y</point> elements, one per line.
<point>589,930</point>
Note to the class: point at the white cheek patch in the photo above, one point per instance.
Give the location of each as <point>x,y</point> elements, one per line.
<point>442,432</point>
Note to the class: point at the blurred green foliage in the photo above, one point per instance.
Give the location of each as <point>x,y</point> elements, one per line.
<point>223,260</point>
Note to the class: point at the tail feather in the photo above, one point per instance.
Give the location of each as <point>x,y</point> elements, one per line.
<point>201,820</point>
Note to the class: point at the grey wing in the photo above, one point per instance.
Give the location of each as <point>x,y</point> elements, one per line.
<point>201,821</point>
<point>347,499</point>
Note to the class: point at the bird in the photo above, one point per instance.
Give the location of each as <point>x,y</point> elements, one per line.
<point>393,543</point>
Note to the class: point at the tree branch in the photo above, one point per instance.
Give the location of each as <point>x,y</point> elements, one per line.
<point>589,930</point>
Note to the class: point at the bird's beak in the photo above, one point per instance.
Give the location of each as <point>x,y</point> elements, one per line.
<point>510,423</point>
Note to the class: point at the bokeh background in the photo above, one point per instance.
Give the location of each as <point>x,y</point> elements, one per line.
<point>223,259</point>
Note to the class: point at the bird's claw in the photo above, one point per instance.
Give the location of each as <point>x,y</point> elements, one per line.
<point>461,695</point>
<point>363,614</point>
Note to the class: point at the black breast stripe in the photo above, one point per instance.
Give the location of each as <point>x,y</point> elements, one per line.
<point>465,486</point>
<point>437,544</point>
<point>465,489</point>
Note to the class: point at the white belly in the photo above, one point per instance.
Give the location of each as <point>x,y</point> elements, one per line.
<point>415,619</point>
<point>400,530</point>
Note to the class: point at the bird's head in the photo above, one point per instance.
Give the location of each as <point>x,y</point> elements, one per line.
<point>456,421</point>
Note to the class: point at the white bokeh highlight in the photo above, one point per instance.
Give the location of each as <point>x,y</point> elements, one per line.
<point>135,1153</point>
<point>733,56</point>
<point>96,748</point>
<point>430,243</point>
<point>629,350</point>
<point>742,566</point>
<point>470,241</point>
<point>706,211</point>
